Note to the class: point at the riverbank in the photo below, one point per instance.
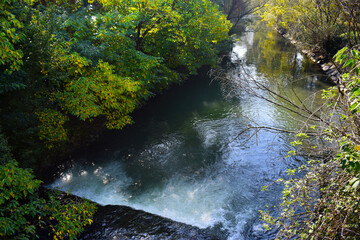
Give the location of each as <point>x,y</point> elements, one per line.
<point>318,57</point>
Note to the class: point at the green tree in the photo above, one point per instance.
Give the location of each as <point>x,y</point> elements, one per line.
<point>24,211</point>
<point>183,33</point>
<point>101,63</point>
<point>11,57</point>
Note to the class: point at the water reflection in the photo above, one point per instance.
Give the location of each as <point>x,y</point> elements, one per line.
<point>275,58</point>
<point>184,158</point>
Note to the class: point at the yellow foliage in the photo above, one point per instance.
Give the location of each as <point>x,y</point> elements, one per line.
<point>51,129</point>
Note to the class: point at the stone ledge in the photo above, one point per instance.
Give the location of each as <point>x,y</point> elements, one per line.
<point>317,57</point>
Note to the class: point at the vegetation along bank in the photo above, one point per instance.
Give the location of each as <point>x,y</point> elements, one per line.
<point>68,67</point>
<point>324,202</point>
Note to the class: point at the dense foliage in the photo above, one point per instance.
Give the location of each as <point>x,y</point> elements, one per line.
<point>88,62</point>
<point>26,211</point>
<point>67,66</point>
<point>91,62</point>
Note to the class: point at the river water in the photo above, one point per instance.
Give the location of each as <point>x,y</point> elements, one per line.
<point>183,158</point>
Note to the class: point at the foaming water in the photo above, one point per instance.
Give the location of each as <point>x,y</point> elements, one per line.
<point>183,199</point>
<point>184,158</point>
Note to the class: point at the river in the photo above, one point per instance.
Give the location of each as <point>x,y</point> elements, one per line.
<point>184,159</point>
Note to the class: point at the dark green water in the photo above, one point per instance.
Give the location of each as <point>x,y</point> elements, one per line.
<point>182,158</point>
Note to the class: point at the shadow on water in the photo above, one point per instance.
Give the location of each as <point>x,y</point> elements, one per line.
<point>184,161</point>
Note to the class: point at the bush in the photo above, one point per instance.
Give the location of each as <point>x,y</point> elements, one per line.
<point>24,211</point>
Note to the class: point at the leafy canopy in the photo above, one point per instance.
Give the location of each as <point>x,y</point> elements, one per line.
<point>101,63</point>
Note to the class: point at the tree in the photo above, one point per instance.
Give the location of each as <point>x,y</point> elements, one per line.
<point>351,18</point>
<point>101,63</point>
<point>24,211</point>
<point>238,10</point>
<point>314,23</point>
<point>183,33</point>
